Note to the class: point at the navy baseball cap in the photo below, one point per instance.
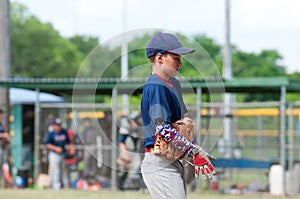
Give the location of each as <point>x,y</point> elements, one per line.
<point>166,42</point>
<point>56,121</point>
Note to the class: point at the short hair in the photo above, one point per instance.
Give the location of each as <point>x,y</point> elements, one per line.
<point>152,58</point>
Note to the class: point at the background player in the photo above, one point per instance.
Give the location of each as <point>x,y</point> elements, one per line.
<point>56,141</point>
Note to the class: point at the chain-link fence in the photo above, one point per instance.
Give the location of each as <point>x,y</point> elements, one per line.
<point>243,162</point>
<point>101,146</point>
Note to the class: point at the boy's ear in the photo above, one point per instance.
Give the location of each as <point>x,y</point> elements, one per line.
<point>159,58</point>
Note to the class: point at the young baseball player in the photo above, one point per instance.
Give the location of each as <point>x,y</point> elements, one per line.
<point>55,142</point>
<point>161,105</point>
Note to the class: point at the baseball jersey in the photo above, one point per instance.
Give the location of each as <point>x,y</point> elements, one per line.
<point>59,139</point>
<point>130,138</point>
<point>160,99</point>
<point>2,130</point>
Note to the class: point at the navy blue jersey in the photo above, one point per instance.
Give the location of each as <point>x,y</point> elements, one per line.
<point>160,99</point>
<point>131,139</point>
<point>2,130</point>
<point>59,139</point>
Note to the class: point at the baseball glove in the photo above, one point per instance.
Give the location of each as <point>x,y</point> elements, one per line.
<point>187,128</point>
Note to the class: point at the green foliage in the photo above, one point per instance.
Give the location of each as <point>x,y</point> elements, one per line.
<point>101,62</point>
<point>139,66</point>
<point>213,49</point>
<point>38,50</point>
<point>84,43</point>
<point>293,96</point>
<point>263,64</point>
<point>295,75</point>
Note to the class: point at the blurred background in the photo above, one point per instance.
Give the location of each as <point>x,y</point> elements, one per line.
<point>250,122</point>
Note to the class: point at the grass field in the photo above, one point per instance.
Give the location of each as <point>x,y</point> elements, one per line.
<point>75,194</point>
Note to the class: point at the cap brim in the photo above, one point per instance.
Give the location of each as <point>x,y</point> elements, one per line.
<point>55,123</point>
<point>182,51</point>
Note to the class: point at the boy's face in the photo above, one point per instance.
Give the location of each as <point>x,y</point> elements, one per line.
<point>56,128</point>
<point>171,64</point>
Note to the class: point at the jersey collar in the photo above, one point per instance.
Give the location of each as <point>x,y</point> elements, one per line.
<point>164,79</point>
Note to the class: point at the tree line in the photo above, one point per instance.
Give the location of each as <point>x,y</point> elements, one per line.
<point>39,51</point>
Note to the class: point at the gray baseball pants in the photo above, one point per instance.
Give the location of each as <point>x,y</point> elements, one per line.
<point>164,179</point>
<point>56,164</point>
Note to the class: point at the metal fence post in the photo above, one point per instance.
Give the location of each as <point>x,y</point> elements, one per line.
<point>114,140</point>
<point>36,135</point>
<point>198,115</point>
<point>282,134</point>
